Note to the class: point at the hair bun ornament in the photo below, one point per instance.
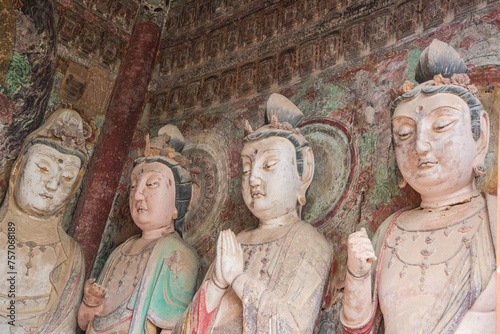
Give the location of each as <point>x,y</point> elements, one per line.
<point>282,119</point>
<point>169,143</point>
<point>439,58</point>
<point>176,139</point>
<point>284,111</point>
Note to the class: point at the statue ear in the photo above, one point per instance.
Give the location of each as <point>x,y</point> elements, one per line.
<point>175,214</point>
<point>483,140</point>
<point>307,174</point>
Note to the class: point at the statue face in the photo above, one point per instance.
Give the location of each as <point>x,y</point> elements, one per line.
<point>152,196</point>
<point>270,180</point>
<point>46,180</point>
<point>434,145</point>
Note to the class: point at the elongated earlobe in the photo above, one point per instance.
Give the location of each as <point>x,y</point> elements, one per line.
<point>482,144</point>
<point>307,174</point>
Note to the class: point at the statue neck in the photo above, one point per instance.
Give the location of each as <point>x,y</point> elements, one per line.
<point>30,228</point>
<point>285,220</point>
<point>437,201</point>
<point>155,234</point>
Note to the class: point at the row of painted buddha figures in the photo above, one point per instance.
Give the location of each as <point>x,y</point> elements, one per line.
<point>427,270</point>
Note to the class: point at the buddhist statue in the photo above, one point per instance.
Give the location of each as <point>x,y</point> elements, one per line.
<point>433,266</point>
<point>150,279</point>
<point>42,267</point>
<point>269,279</point>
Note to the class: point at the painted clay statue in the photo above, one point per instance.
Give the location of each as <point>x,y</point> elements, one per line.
<point>150,279</point>
<point>269,279</point>
<point>42,267</point>
<point>434,272</point>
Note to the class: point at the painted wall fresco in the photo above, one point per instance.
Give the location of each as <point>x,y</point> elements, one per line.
<point>27,62</point>
<point>339,63</point>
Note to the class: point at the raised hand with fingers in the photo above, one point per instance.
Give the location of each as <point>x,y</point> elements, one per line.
<point>232,256</point>
<point>218,277</point>
<point>360,254</point>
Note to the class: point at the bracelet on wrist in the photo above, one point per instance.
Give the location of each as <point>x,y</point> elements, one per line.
<point>217,285</point>
<point>89,305</point>
<point>359,277</point>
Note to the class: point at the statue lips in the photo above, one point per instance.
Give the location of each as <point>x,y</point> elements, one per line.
<point>141,209</point>
<point>46,196</point>
<point>257,193</point>
<point>426,163</point>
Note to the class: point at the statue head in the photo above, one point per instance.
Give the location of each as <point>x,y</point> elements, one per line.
<point>440,129</point>
<point>160,189</point>
<point>50,166</point>
<point>277,162</point>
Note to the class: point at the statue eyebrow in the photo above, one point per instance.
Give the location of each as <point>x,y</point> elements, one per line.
<point>57,160</point>
<point>445,107</point>
<point>265,151</point>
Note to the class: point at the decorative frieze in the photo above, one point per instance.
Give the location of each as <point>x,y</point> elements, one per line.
<point>285,40</point>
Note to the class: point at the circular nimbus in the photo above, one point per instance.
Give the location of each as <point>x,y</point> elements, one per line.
<point>334,166</point>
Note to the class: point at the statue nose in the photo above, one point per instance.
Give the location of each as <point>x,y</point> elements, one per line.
<point>52,184</point>
<point>422,143</point>
<point>139,194</point>
<point>255,180</point>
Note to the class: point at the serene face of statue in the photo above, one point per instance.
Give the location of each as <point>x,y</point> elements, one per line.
<point>435,149</point>
<point>152,196</point>
<point>46,180</point>
<point>270,180</point>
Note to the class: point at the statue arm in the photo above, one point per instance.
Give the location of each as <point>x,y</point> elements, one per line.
<point>93,295</point>
<point>357,310</point>
<point>175,288</point>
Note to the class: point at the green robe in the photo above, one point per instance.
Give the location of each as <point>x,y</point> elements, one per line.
<point>167,286</point>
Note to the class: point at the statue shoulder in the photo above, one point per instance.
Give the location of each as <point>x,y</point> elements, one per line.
<point>313,238</point>
<point>174,244</point>
<point>378,237</point>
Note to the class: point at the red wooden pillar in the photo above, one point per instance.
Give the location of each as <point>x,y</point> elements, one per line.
<point>123,115</point>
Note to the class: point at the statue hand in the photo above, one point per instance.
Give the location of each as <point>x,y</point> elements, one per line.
<point>92,304</point>
<point>360,253</point>
<point>93,293</point>
<point>232,256</point>
<point>217,276</point>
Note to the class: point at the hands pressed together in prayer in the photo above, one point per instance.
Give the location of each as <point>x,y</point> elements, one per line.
<point>229,259</point>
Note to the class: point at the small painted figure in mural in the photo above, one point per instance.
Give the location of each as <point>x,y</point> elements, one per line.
<point>269,279</point>
<point>150,279</point>
<point>436,262</point>
<point>42,268</point>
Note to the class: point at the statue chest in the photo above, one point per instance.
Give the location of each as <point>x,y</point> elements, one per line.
<point>32,264</point>
<point>124,276</point>
<point>417,266</point>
